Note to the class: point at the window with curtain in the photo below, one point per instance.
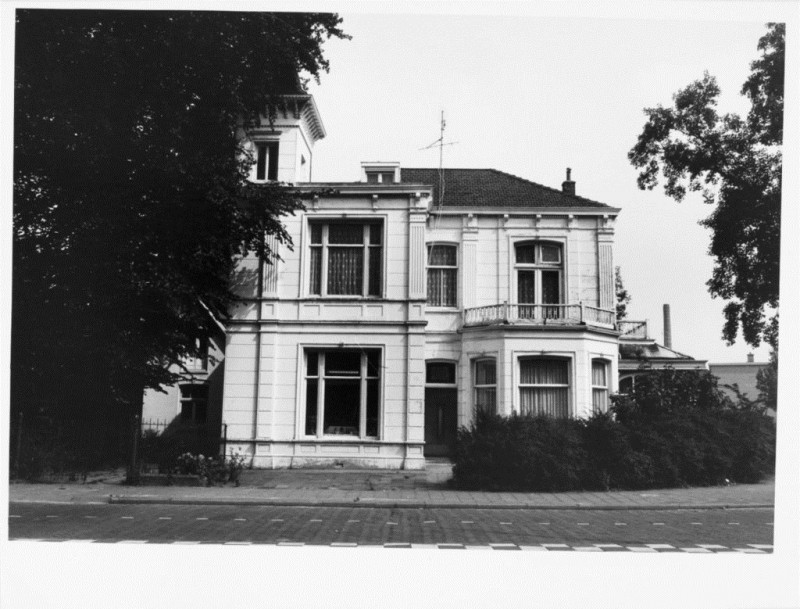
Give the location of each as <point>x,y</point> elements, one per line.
<point>599,385</point>
<point>539,267</point>
<point>442,275</point>
<point>485,385</point>
<point>544,386</point>
<point>345,258</point>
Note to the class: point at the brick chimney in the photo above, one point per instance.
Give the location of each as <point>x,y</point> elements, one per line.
<point>750,358</point>
<point>667,327</point>
<point>568,186</point>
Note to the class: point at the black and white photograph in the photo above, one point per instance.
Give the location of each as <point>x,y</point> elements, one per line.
<point>380,305</point>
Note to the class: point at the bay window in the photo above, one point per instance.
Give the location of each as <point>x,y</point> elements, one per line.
<point>599,385</point>
<point>345,258</point>
<point>342,392</point>
<point>442,275</point>
<point>485,385</point>
<point>544,386</point>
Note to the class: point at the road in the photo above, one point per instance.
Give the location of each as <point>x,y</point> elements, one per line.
<point>714,530</point>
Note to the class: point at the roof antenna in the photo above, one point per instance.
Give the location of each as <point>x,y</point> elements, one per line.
<point>440,143</point>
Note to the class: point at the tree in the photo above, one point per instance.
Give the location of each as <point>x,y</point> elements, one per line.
<point>623,298</point>
<point>767,382</point>
<point>736,163</point>
<point>131,205</point>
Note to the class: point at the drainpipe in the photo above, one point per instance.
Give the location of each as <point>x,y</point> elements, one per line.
<point>257,392</point>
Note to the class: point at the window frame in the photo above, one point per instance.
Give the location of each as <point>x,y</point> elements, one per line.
<point>452,363</point>
<point>194,401</point>
<point>375,224</point>
<point>271,147</point>
<point>538,267</point>
<point>606,388</point>
<point>476,387</point>
<point>441,267</point>
<point>546,357</point>
<point>321,377</point>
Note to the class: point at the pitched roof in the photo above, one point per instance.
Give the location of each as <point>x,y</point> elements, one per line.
<point>491,188</point>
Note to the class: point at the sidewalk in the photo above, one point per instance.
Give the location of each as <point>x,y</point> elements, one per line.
<point>396,489</point>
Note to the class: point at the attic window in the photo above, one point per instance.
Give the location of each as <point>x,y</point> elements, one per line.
<point>380,177</point>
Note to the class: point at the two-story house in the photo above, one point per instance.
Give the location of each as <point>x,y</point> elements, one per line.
<point>410,299</point>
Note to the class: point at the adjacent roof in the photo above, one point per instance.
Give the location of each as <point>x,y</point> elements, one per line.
<point>491,188</point>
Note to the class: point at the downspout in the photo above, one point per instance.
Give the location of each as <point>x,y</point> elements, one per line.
<point>257,391</point>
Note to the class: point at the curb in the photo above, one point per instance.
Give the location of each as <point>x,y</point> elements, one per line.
<point>410,504</point>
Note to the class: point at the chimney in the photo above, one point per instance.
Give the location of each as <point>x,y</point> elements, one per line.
<point>750,359</point>
<point>667,328</point>
<point>568,186</point>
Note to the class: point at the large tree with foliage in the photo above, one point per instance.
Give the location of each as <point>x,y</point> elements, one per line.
<point>736,163</point>
<point>131,204</point>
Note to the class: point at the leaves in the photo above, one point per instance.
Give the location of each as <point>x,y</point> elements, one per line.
<point>735,164</point>
<point>131,205</point>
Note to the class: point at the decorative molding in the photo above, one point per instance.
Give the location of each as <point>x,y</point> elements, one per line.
<point>416,258</point>
<point>606,274</point>
<point>374,202</point>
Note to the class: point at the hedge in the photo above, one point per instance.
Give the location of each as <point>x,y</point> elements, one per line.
<point>675,429</point>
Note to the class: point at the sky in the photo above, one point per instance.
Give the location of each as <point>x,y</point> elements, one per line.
<point>532,95</point>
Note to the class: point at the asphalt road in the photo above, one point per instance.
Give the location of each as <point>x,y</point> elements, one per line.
<point>741,530</point>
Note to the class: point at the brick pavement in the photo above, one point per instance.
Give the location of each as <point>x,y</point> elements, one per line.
<point>384,489</point>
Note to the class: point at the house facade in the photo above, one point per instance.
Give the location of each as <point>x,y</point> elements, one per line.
<point>410,300</point>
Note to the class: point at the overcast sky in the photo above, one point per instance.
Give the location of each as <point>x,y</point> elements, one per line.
<point>532,95</point>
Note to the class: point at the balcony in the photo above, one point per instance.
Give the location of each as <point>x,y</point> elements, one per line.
<point>636,330</point>
<point>555,315</point>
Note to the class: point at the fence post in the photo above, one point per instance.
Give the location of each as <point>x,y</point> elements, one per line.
<point>19,445</point>
<point>133,470</point>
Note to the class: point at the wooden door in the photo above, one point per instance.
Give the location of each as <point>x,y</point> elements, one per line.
<point>441,421</point>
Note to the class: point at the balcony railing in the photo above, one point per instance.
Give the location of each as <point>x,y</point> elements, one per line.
<point>548,315</point>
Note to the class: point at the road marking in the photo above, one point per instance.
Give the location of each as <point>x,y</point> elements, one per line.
<point>79,541</point>
<point>660,546</point>
<point>360,521</point>
<point>397,545</point>
<point>587,549</point>
<point>391,524</point>
<point>506,523</point>
<point>697,524</point>
<point>451,546</point>
<point>240,519</point>
<point>90,516</point>
<point>132,541</point>
<point>315,520</point>
<point>641,549</point>
<point>51,516</point>
<point>201,518</point>
<point>761,546</point>
<point>696,550</point>
<point>185,543</point>
<point>583,524</point>
<point>165,517</point>
<point>749,550</point>
<point>14,516</point>
<point>658,524</point>
<point>344,544</point>
<point>769,524</point>
<point>277,520</point>
<point>554,545</point>
<point>620,524</point>
<point>545,523</point>
<point>467,522</point>
<point>711,546</point>
<point>504,546</point>
<point>607,545</point>
<point>126,517</point>
<point>238,543</point>
<point>733,523</point>
<point>533,549</point>
<point>290,543</point>
<point>425,522</point>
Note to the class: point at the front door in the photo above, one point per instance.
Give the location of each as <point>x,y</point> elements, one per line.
<point>441,421</point>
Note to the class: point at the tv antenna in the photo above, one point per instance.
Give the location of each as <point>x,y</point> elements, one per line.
<point>440,144</point>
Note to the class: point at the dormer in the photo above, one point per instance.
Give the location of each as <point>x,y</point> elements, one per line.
<point>379,172</point>
<point>282,149</point>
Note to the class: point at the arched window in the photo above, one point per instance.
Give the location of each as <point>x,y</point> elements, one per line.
<point>485,385</point>
<point>539,267</point>
<point>442,275</point>
<point>544,386</point>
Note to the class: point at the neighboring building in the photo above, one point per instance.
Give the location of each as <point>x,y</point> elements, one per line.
<point>638,352</point>
<point>741,374</point>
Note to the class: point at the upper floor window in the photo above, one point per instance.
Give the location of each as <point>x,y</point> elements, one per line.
<point>265,165</point>
<point>599,385</point>
<point>485,385</point>
<point>544,386</point>
<point>380,177</point>
<point>201,361</point>
<point>194,403</point>
<point>442,275</point>
<point>346,258</point>
<point>539,267</point>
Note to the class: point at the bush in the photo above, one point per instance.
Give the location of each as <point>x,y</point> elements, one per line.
<point>674,429</point>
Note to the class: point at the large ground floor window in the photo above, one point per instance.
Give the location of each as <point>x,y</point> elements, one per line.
<point>544,386</point>
<point>599,385</point>
<point>342,392</point>
<point>485,385</point>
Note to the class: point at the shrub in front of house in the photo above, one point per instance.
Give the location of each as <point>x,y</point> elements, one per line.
<point>674,429</point>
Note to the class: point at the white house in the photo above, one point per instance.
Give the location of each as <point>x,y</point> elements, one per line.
<point>410,299</point>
